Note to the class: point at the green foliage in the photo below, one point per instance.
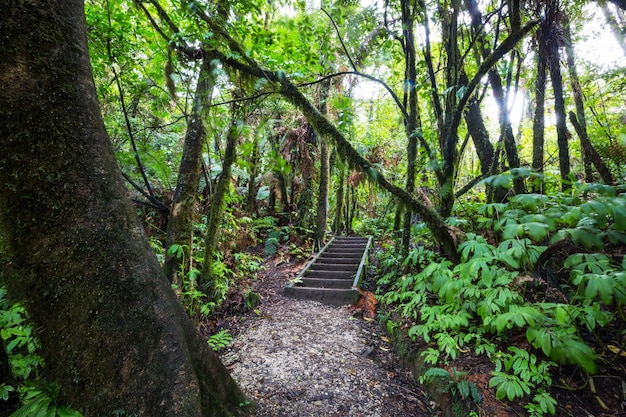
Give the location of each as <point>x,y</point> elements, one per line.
<point>220,340</point>
<point>44,403</point>
<point>480,303</point>
<point>455,383</point>
<point>38,397</point>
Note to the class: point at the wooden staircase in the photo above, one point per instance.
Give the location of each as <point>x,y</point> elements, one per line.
<point>333,275</point>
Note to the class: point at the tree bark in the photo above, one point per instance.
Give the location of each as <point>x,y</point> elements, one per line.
<point>578,99</point>
<point>112,332</point>
<point>554,66</point>
<point>495,80</point>
<point>338,223</point>
<point>412,122</point>
<point>207,278</point>
<point>322,196</point>
<point>480,136</point>
<point>539,117</point>
<point>251,204</point>
<point>590,150</point>
<point>180,221</point>
<point>449,136</point>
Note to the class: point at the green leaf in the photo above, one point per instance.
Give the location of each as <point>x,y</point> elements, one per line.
<point>511,231</point>
<point>536,231</point>
<point>68,412</point>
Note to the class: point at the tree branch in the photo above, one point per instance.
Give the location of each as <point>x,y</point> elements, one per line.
<point>432,218</point>
<point>343,45</point>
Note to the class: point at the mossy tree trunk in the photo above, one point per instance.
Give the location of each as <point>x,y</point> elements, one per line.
<point>338,222</point>
<point>180,221</point>
<point>207,277</point>
<point>321,220</point>
<point>412,121</point>
<point>112,332</point>
<point>251,203</point>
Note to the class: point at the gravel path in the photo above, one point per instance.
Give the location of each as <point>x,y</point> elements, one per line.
<point>302,358</point>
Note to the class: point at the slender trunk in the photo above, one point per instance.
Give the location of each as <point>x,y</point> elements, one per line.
<point>322,195</point>
<point>251,206</point>
<point>589,153</point>
<point>590,150</point>
<point>578,100</point>
<point>338,223</point>
<point>559,112</point>
<point>539,117</point>
<point>113,334</point>
<point>397,219</point>
<point>499,95</point>
<point>449,138</point>
<point>412,123</point>
<point>207,278</point>
<point>285,206</point>
<point>478,132</point>
<point>180,221</point>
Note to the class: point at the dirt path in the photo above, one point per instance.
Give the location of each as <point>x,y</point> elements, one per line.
<point>302,358</point>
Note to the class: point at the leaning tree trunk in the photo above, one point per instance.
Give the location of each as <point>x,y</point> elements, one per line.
<point>207,278</point>
<point>589,153</point>
<point>180,221</point>
<point>112,332</point>
<point>578,99</point>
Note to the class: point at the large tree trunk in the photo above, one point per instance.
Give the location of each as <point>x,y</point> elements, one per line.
<point>112,332</point>
<point>180,221</point>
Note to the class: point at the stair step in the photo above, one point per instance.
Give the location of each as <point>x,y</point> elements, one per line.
<point>332,273</point>
<point>333,267</point>
<point>326,283</point>
<point>352,252</point>
<point>345,275</point>
<point>325,295</point>
<point>344,260</point>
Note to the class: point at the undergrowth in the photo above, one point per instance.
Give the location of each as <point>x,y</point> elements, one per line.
<point>514,298</point>
<point>36,396</point>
